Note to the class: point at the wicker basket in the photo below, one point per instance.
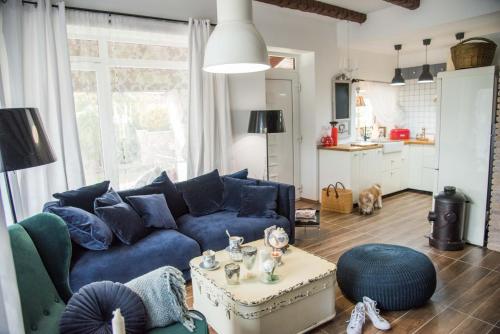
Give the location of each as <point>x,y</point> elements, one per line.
<point>336,199</point>
<point>468,55</point>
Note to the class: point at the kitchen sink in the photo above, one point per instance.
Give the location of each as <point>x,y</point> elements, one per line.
<point>388,146</point>
<point>364,144</point>
<point>392,146</point>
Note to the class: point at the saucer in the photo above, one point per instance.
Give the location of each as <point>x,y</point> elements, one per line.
<point>214,267</point>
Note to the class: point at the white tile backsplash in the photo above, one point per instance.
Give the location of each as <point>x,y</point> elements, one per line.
<point>419,105</point>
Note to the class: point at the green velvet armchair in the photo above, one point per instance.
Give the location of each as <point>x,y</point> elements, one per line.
<point>41,247</point>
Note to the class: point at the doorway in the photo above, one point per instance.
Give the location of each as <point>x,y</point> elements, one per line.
<point>282,92</point>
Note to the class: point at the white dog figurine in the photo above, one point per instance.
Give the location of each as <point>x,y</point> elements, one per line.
<point>370,199</point>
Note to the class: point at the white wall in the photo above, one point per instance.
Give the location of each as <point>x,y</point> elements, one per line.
<point>247,92</point>
<point>436,19</point>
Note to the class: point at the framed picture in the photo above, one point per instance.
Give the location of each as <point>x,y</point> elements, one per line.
<point>382,132</point>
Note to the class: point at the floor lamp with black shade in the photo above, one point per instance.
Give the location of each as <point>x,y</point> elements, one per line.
<point>266,121</point>
<point>23,144</point>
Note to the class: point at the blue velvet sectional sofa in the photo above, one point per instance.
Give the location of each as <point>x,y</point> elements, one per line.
<point>121,263</point>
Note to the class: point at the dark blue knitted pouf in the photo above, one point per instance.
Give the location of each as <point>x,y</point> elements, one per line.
<point>398,278</point>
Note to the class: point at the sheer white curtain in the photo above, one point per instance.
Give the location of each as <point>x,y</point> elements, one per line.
<point>11,320</point>
<point>39,76</point>
<point>210,136</point>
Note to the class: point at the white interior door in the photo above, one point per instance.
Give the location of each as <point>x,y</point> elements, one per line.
<point>282,94</point>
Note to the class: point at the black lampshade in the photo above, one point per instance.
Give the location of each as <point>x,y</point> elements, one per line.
<point>23,141</point>
<point>266,121</point>
<point>398,79</point>
<point>426,75</point>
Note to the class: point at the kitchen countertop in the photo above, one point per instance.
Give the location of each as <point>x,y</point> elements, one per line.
<point>349,148</point>
<point>418,142</point>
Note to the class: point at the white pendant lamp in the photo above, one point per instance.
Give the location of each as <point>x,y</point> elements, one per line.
<point>235,45</point>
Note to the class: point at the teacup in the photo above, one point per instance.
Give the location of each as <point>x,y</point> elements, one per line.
<point>235,242</point>
<point>208,258</point>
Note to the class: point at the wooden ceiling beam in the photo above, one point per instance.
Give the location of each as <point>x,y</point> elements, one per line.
<point>408,4</point>
<point>321,8</point>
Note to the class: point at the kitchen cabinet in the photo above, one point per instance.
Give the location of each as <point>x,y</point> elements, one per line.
<point>357,170</point>
<point>414,167</point>
<point>370,167</point>
<point>422,167</point>
<point>392,172</point>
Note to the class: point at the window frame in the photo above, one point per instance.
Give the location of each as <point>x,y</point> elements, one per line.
<point>102,65</point>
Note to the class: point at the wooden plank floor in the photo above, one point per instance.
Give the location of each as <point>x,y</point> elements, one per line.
<point>467,298</point>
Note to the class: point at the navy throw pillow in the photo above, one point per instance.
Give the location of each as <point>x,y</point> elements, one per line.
<point>242,174</point>
<point>90,310</point>
<point>161,185</point>
<point>153,210</point>
<point>83,197</point>
<point>85,229</point>
<point>107,199</point>
<point>232,192</point>
<point>124,222</point>
<point>203,194</point>
<point>258,201</point>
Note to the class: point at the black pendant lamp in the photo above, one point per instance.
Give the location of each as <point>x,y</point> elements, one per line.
<point>398,79</point>
<point>426,75</point>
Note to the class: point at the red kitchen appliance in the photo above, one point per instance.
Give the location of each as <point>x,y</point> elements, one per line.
<point>399,134</point>
<point>335,133</point>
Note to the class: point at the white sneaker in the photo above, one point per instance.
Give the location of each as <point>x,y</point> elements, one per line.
<point>357,319</point>
<point>374,314</point>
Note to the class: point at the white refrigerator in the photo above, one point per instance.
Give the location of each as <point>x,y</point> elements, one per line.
<point>464,141</point>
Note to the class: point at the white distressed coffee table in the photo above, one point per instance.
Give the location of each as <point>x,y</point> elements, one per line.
<point>302,299</point>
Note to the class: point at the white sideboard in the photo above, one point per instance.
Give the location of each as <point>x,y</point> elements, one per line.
<point>414,167</point>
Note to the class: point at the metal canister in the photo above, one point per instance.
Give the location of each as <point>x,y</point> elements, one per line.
<point>448,219</point>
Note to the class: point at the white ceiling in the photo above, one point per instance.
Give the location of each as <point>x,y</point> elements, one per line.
<point>363,6</point>
<point>182,9</point>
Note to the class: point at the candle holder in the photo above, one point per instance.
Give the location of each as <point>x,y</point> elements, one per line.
<point>276,255</point>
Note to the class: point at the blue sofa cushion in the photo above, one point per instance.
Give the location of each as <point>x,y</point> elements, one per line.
<point>121,262</point>
<point>209,231</point>
<point>109,198</point>
<point>232,192</point>
<point>258,201</point>
<point>153,210</point>
<point>84,197</point>
<point>90,310</point>
<point>85,229</point>
<point>242,174</point>
<point>285,202</point>
<point>203,194</point>
<point>124,222</point>
<point>161,185</point>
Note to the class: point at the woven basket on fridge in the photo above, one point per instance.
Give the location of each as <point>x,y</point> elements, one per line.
<point>336,199</point>
<point>477,54</point>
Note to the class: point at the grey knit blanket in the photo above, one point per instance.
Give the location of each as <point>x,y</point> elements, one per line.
<point>163,293</point>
